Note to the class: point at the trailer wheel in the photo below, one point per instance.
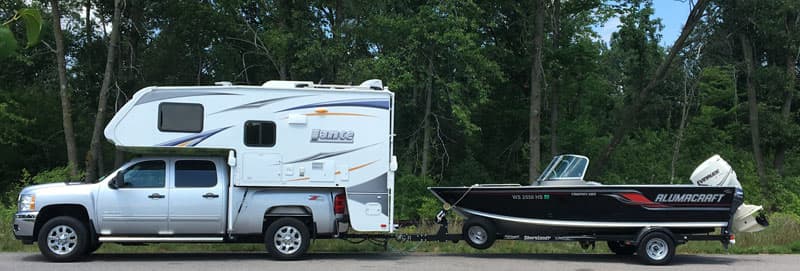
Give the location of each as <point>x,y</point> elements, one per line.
<point>63,239</point>
<point>287,238</point>
<point>656,248</point>
<point>620,248</point>
<point>479,233</point>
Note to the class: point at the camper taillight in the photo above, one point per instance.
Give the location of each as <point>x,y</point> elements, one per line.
<point>339,204</point>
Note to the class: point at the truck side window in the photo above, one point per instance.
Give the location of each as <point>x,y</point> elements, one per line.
<point>180,117</point>
<point>259,133</point>
<point>195,173</point>
<point>146,174</point>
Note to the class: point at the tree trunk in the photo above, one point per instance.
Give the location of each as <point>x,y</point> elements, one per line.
<point>630,112</point>
<point>88,6</point>
<point>534,129</point>
<point>676,148</point>
<point>555,81</point>
<point>66,105</point>
<point>426,122</point>
<point>752,105</point>
<point>788,94</point>
<point>95,148</point>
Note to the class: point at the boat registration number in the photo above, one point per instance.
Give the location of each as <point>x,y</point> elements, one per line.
<point>531,197</point>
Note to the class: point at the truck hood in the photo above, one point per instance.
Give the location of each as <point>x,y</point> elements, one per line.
<point>39,188</point>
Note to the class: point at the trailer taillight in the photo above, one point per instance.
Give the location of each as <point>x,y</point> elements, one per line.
<point>339,204</point>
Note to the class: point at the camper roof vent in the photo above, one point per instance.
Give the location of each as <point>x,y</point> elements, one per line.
<point>223,83</point>
<point>375,84</point>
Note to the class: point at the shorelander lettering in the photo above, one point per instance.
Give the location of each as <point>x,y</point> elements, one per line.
<point>689,197</point>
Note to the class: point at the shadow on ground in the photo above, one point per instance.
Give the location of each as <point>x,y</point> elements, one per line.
<point>257,256</point>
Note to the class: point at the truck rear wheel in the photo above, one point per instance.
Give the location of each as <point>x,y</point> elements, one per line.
<point>479,233</point>
<point>63,239</point>
<point>656,248</point>
<point>287,238</point>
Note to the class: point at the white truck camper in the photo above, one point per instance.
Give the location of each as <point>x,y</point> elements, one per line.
<point>280,163</point>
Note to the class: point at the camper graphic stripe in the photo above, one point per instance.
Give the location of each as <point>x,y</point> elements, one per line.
<point>380,104</point>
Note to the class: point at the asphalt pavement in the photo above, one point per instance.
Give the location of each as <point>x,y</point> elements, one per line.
<point>393,261</point>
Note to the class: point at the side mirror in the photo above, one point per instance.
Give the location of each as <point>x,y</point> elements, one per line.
<point>118,181</point>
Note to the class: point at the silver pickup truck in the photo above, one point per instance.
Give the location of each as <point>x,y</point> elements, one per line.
<point>175,199</point>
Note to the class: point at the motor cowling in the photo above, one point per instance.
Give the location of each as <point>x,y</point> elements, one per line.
<point>715,171</point>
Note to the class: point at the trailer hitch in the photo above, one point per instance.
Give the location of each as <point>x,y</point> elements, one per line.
<point>441,234</point>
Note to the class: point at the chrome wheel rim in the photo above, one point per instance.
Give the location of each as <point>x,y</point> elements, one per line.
<point>288,239</point>
<point>62,239</point>
<point>477,235</point>
<point>657,249</point>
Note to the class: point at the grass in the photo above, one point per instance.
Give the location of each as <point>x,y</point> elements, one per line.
<point>782,236</point>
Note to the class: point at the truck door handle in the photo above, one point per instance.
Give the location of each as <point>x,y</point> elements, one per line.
<point>156,196</point>
<point>210,195</point>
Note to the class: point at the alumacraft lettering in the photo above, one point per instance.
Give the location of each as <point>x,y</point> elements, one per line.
<point>700,198</point>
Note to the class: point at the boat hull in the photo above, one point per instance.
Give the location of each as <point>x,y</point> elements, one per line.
<point>601,209</point>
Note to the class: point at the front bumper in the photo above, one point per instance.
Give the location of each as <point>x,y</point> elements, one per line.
<point>23,226</point>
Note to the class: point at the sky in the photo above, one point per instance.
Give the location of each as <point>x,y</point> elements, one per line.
<point>673,14</point>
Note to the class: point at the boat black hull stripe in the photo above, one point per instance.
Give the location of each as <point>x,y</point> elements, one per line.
<point>593,224</point>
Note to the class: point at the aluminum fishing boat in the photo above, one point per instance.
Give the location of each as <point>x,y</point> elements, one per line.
<point>562,205</point>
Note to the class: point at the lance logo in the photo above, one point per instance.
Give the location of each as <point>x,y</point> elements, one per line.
<point>332,136</point>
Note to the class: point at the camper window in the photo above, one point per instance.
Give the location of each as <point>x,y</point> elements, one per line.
<point>259,133</point>
<point>195,173</point>
<point>180,117</point>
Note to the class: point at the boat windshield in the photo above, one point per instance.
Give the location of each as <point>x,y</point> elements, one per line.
<point>568,166</point>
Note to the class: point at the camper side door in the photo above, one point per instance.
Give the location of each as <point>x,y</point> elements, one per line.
<point>260,164</point>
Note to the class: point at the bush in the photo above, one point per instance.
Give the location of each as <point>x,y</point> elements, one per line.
<point>54,175</point>
<point>411,193</point>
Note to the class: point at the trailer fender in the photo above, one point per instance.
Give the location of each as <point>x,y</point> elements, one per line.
<point>648,230</point>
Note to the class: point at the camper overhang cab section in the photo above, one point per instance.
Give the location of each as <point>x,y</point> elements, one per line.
<point>280,134</point>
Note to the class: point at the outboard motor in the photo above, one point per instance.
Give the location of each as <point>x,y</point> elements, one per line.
<point>715,171</point>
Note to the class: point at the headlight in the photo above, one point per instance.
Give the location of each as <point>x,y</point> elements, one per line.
<point>27,203</point>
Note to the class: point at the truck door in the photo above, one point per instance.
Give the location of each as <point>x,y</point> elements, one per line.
<point>197,197</point>
<point>140,206</point>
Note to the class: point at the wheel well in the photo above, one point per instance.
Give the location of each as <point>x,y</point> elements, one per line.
<point>72,210</point>
<point>647,231</point>
<point>301,213</point>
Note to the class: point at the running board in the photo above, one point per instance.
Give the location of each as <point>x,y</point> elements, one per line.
<point>104,239</point>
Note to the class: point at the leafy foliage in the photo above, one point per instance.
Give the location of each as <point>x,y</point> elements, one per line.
<point>474,56</point>
<point>33,26</point>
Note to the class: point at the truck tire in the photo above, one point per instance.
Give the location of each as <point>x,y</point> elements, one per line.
<point>620,248</point>
<point>63,239</point>
<point>287,238</point>
<point>656,248</point>
<point>479,233</point>
<point>93,246</point>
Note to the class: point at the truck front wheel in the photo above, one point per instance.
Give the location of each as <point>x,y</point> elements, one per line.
<point>63,239</point>
<point>287,238</point>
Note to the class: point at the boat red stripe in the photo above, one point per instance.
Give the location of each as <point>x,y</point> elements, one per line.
<point>641,199</point>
